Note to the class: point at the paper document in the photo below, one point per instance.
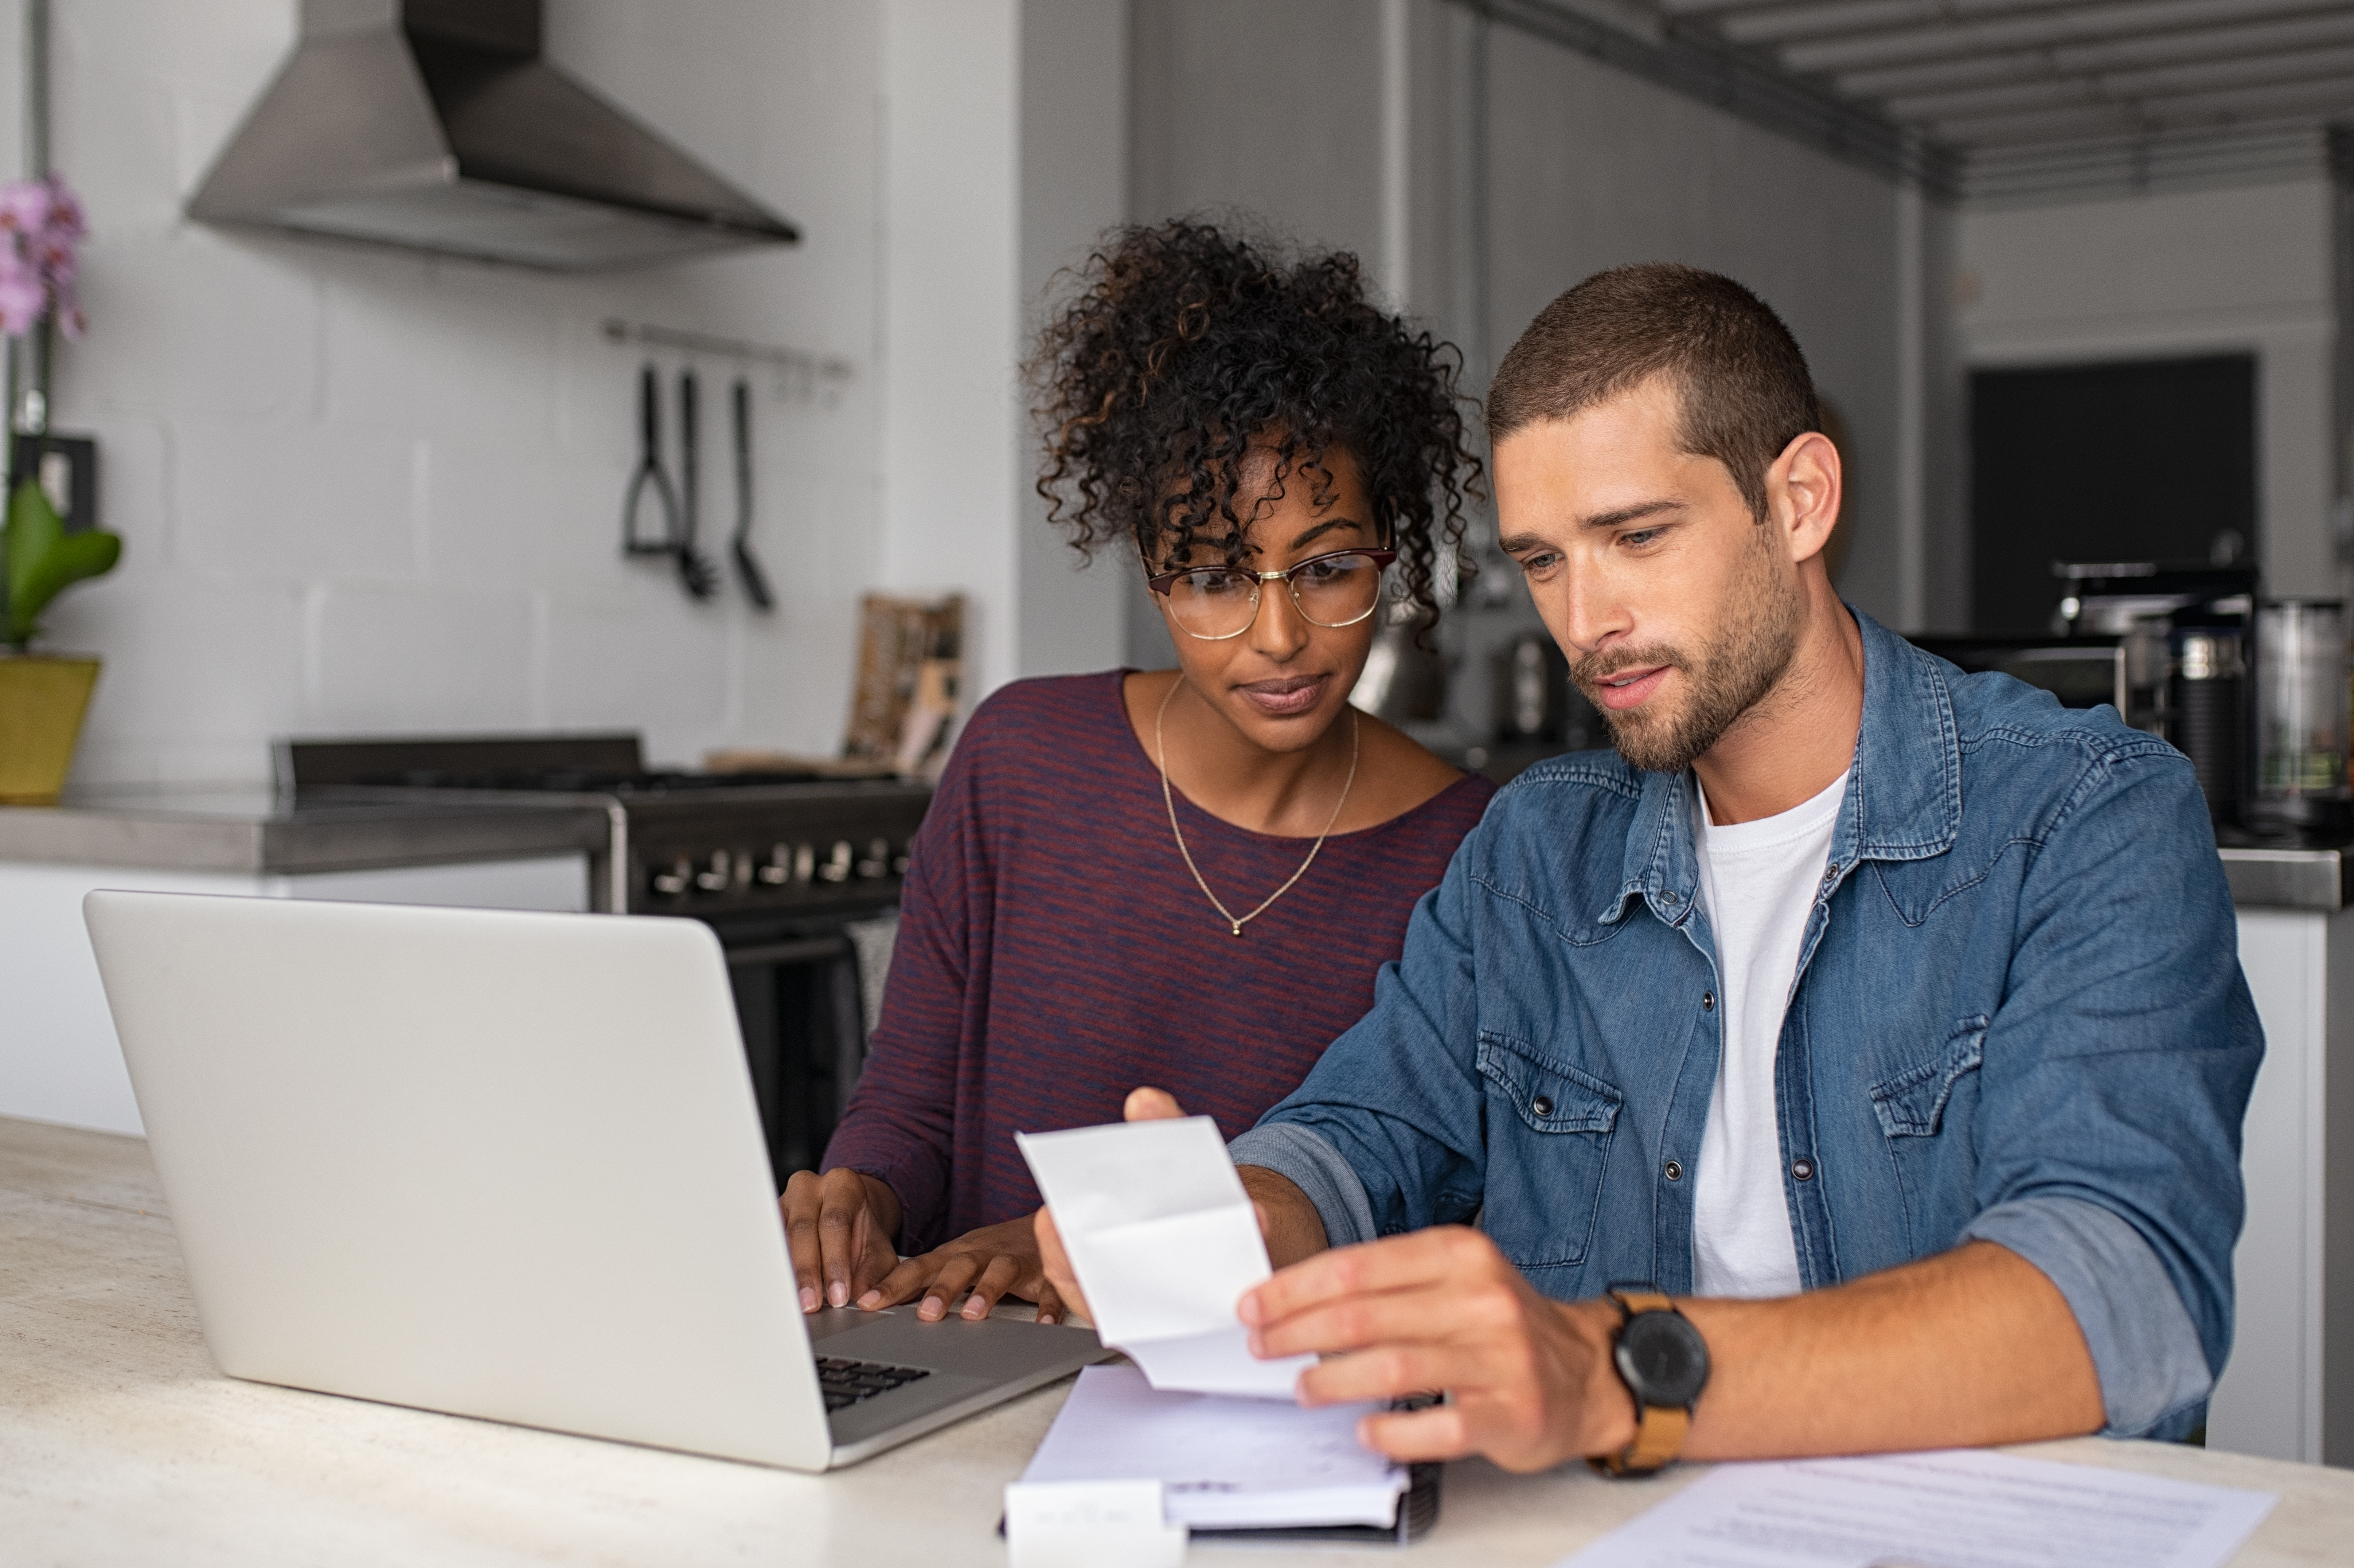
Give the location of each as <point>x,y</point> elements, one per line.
<point>1164,1242</point>
<point>1085,1524</point>
<point>1958,1509</point>
<point>1224,1462</point>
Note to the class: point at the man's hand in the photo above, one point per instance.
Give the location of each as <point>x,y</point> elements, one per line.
<point>1530,1380</point>
<point>839,1227</point>
<point>993,1261</point>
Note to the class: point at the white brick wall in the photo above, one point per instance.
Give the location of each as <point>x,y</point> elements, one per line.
<point>360,490</point>
<point>2235,269</point>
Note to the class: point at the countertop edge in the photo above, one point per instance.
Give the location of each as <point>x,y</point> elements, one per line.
<point>2309,879</point>
<point>261,847</point>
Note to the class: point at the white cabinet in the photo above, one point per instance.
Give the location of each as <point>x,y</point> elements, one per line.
<point>2288,1389</point>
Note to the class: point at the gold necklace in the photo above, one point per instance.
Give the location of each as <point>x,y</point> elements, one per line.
<point>1169,798</point>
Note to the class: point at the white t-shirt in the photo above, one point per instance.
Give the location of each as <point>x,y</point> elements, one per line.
<point>1758,882</point>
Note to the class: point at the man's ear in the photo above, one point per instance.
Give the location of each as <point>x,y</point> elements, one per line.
<point>1803,492</point>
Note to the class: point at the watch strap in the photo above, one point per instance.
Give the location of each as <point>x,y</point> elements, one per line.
<point>1659,1429</point>
<point>1659,1433</point>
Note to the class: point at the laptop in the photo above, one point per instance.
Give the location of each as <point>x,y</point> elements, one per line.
<point>509,1166</point>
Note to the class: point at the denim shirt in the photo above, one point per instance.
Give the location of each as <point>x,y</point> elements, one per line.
<point>2018,1016</point>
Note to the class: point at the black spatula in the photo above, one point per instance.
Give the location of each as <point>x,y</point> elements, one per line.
<point>747,565</point>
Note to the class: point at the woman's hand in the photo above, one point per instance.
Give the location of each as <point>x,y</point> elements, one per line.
<point>993,1261</point>
<point>839,1227</point>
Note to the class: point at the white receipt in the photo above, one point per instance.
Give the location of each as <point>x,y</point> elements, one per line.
<point>1958,1509</point>
<point>1164,1242</point>
<point>1222,1462</point>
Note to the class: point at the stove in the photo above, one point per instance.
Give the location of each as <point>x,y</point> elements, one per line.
<point>794,871</point>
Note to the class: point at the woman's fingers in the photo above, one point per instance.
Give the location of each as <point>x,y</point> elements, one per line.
<point>993,1282</point>
<point>799,1204</point>
<point>842,1205</point>
<point>911,1275</point>
<point>957,1271</point>
<point>1050,1303</point>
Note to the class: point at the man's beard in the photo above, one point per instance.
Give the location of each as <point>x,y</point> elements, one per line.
<point>1732,675</point>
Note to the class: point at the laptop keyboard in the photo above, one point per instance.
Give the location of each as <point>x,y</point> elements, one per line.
<point>846,1383</point>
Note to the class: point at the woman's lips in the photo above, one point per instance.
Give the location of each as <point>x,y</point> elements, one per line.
<point>1624,689</point>
<point>1283,698</point>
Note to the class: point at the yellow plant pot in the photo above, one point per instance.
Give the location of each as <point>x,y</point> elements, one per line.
<point>42,701</point>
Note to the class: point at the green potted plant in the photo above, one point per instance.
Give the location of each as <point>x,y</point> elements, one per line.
<point>43,696</point>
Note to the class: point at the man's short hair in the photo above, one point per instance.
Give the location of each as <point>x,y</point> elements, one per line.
<point>1746,389</point>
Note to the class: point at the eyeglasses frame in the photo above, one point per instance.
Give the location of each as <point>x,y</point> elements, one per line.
<point>1381,557</point>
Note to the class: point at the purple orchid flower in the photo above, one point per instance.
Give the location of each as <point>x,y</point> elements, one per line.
<point>41,222</point>
<point>65,221</point>
<point>22,297</point>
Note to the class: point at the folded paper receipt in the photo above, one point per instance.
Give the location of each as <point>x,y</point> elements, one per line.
<point>1164,1242</point>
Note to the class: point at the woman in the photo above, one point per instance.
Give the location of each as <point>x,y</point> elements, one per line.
<point>1185,877</point>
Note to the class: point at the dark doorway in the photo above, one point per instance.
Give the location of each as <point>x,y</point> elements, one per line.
<point>2148,459</point>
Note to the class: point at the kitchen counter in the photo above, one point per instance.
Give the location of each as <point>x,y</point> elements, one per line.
<point>2265,878</point>
<point>119,1444</point>
<point>58,1058</point>
<point>258,833</point>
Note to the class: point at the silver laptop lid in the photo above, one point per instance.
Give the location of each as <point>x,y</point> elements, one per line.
<point>498,1164</point>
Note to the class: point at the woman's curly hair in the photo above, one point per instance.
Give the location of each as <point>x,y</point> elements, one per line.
<point>1184,346</point>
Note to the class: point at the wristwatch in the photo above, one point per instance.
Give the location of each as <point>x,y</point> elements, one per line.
<point>1664,1362</point>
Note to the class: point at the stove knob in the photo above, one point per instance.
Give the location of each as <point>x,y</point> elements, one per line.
<point>877,863</point>
<point>778,869</point>
<point>838,865</point>
<point>899,861</point>
<point>804,862</point>
<point>721,873</point>
<point>675,881</point>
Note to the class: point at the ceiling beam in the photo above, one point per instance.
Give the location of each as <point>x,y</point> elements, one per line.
<point>2207,113</point>
<point>2077,21</point>
<point>2200,44</point>
<point>2321,67</point>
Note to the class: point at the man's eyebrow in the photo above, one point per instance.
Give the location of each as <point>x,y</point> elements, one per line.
<point>1628,514</point>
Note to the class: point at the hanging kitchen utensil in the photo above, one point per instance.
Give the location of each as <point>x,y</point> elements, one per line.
<point>649,476</point>
<point>748,566</point>
<point>697,572</point>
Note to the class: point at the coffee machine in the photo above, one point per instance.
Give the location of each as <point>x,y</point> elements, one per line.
<point>2253,691</point>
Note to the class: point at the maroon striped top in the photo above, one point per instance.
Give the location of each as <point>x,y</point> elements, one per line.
<point>1054,954</point>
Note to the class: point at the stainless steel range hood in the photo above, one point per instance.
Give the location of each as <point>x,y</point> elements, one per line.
<point>435,125</point>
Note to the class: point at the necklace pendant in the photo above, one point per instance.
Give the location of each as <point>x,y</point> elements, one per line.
<point>1239,927</point>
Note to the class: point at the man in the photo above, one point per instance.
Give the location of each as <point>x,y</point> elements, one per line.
<point>1875,1030</point>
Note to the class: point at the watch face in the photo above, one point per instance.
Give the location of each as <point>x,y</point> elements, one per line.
<point>1662,1358</point>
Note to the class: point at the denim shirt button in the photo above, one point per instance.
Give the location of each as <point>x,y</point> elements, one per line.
<point>1668,897</point>
<point>1541,1105</point>
<point>1674,1171</point>
<point>1708,1001</point>
<point>1804,1169</point>
<point>1831,874</point>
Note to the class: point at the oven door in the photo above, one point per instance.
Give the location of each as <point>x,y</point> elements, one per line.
<point>802,998</point>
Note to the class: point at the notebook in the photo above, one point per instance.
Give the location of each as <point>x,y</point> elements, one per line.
<point>1236,1464</point>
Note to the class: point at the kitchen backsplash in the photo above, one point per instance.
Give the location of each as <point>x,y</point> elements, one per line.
<point>366,491</point>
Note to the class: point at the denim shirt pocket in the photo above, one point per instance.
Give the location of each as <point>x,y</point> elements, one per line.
<point>1934,1173</point>
<point>1912,1103</point>
<point>1549,1133</point>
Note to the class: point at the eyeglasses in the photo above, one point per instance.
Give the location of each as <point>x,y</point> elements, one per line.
<point>1217,602</point>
